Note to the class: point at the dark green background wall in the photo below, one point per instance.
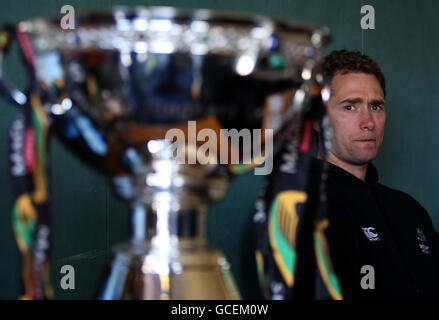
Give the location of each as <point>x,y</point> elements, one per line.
<point>88,220</point>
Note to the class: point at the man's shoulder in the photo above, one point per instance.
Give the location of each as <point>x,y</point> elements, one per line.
<point>395,194</point>
<point>402,203</point>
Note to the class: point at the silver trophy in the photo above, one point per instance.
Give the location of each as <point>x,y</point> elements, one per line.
<point>127,77</point>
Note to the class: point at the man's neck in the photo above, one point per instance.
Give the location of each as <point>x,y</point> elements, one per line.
<point>358,171</point>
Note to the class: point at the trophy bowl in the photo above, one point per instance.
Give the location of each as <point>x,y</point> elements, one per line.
<point>139,90</point>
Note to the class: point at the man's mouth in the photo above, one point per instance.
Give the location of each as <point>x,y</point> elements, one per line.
<point>368,143</point>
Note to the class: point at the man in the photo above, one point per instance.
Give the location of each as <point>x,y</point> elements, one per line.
<point>381,241</point>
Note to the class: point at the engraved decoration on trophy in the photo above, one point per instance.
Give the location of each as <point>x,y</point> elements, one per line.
<point>117,84</point>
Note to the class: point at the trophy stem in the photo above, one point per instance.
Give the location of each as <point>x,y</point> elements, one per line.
<point>162,224</point>
<point>138,223</point>
<point>168,257</point>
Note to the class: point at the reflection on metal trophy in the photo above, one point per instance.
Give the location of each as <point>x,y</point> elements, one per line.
<point>120,82</point>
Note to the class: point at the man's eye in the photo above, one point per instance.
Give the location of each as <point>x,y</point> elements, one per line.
<point>349,108</point>
<point>376,107</point>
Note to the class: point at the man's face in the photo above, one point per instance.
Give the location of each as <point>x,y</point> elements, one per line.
<point>357,115</point>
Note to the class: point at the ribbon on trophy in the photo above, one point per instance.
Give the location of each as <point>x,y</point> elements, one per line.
<point>28,141</point>
<point>31,210</point>
<point>292,257</point>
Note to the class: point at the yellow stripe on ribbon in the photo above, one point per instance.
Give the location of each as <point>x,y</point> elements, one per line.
<point>282,235</point>
<point>323,261</point>
<point>24,217</point>
<point>41,124</point>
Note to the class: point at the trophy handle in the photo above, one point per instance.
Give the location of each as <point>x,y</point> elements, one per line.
<point>10,92</point>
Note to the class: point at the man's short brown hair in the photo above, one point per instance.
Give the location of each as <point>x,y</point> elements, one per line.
<point>344,61</point>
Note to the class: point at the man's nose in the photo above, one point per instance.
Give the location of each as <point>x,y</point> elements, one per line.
<point>366,119</point>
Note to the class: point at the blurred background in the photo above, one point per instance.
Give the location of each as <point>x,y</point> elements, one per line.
<point>88,219</point>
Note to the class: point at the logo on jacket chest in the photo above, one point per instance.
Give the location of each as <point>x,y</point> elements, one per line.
<point>371,234</point>
<point>423,239</point>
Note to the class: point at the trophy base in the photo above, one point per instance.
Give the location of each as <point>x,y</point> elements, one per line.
<point>190,271</point>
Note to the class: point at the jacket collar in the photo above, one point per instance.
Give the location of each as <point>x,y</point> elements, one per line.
<point>341,174</point>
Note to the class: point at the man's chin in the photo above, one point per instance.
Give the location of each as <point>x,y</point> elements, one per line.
<point>363,159</point>
<point>352,158</point>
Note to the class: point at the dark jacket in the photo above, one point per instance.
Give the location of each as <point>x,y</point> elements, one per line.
<point>373,225</point>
